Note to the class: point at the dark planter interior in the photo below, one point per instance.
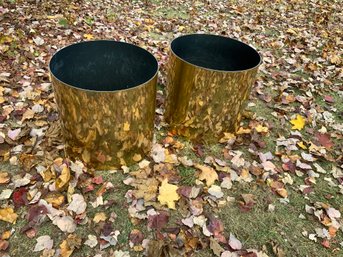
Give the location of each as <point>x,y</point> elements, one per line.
<point>215,52</point>
<point>103,65</point>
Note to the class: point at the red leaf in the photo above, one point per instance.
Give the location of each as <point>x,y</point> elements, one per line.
<point>97,180</point>
<point>19,197</point>
<point>329,99</point>
<point>326,243</point>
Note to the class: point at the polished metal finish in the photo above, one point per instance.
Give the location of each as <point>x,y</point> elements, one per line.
<point>105,93</point>
<point>209,79</point>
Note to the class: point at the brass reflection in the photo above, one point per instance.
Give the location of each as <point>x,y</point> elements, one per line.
<point>201,103</point>
<point>107,129</point>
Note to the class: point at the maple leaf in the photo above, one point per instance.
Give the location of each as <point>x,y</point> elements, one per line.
<point>88,36</point>
<point>207,173</point>
<point>168,194</point>
<point>298,123</point>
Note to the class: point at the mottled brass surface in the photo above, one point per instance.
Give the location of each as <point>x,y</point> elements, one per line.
<point>107,129</point>
<point>203,103</point>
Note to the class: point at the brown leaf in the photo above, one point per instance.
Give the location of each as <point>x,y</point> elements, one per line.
<point>4,178</point>
<point>324,140</point>
<point>3,245</point>
<point>158,221</point>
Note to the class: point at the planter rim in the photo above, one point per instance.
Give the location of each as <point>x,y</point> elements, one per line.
<point>103,91</point>
<point>217,36</point>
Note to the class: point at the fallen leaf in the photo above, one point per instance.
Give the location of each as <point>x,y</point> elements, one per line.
<point>159,220</point>
<point>4,178</point>
<point>89,37</point>
<point>298,123</point>
<point>78,204</point>
<point>4,245</point>
<point>215,247</point>
<point>63,179</point>
<point>100,216</point>
<point>56,199</point>
<point>43,243</point>
<point>8,215</point>
<point>66,224</point>
<point>207,173</point>
<point>92,241</point>
<point>168,194</point>
<point>234,243</point>
<point>216,191</point>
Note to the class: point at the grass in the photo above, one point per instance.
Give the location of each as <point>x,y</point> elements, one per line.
<point>187,175</point>
<point>261,229</point>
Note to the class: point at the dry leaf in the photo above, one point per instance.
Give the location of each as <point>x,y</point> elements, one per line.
<point>54,198</point>
<point>168,194</point>
<point>92,241</point>
<point>4,178</point>
<point>298,123</point>
<point>43,242</point>
<point>78,204</point>
<point>8,215</point>
<point>63,179</point>
<point>234,242</point>
<point>207,173</point>
<point>100,216</point>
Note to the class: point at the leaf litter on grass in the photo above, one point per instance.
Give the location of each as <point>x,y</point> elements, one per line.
<point>290,141</point>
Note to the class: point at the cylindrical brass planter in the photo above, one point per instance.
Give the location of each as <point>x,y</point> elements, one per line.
<point>209,79</point>
<point>105,93</point>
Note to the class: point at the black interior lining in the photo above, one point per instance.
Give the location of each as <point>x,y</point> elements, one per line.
<point>103,65</point>
<point>215,52</point>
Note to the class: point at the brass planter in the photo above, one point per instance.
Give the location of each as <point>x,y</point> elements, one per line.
<point>105,93</point>
<point>209,78</point>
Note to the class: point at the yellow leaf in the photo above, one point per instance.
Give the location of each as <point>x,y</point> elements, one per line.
<point>335,59</point>
<point>207,173</point>
<point>8,215</point>
<point>47,175</point>
<point>168,194</point>
<point>242,130</point>
<point>65,249</point>
<point>298,123</point>
<point>126,126</point>
<point>100,216</point>
<point>301,144</point>
<point>282,192</point>
<point>6,235</point>
<point>63,179</point>
<point>55,198</point>
<point>68,246</point>
<point>88,36</point>
<point>137,157</point>
<point>260,129</point>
